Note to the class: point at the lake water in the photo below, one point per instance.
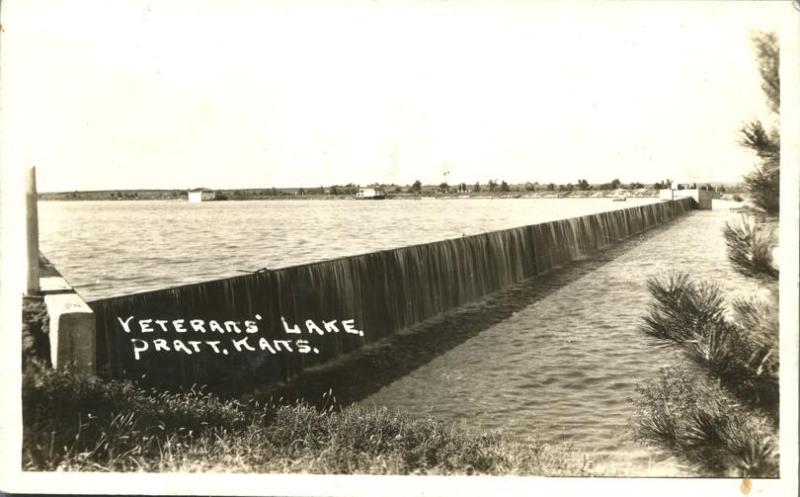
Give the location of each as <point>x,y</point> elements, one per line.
<point>112,248</point>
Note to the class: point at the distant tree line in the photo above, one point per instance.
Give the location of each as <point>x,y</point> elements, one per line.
<point>115,195</point>
<point>492,186</point>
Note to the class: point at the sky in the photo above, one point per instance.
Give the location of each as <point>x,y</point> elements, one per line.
<point>252,94</point>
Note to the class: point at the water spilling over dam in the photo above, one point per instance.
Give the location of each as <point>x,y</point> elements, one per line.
<point>563,363</point>
<point>380,293</point>
<point>139,246</point>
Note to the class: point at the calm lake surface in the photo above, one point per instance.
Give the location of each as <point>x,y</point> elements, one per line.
<point>109,248</point>
<point>562,368</point>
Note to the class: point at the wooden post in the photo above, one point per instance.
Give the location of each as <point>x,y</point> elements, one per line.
<point>32,237</point>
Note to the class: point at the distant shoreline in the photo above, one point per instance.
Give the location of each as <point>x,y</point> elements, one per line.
<point>223,195</point>
<point>428,192</point>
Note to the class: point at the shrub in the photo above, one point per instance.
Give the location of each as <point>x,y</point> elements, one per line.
<point>750,248</point>
<point>680,307</point>
<point>743,356</point>
<point>760,321</point>
<point>763,182</point>
<point>699,421</point>
<point>725,422</point>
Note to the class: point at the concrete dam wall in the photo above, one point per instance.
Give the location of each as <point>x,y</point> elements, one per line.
<point>265,327</point>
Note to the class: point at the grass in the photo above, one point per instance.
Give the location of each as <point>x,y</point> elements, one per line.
<point>80,423</point>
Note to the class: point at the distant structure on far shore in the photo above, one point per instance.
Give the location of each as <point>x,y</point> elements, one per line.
<point>370,193</point>
<point>702,196</point>
<point>201,195</point>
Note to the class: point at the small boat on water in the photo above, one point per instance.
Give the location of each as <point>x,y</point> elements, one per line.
<point>619,198</point>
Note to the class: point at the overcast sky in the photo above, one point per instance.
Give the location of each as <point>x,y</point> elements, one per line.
<point>247,94</point>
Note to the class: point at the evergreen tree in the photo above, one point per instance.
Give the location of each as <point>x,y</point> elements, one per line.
<point>763,183</point>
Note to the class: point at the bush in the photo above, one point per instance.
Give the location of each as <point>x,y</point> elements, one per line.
<point>763,182</point>
<point>700,422</point>
<point>724,416</point>
<point>680,308</point>
<point>743,355</point>
<point>750,248</point>
<point>760,321</point>
<point>78,423</point>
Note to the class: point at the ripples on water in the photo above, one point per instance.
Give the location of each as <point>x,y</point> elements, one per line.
<point>112,248</point>
<point>565,366</point>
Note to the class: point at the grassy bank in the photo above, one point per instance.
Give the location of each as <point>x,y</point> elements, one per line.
<point>80,423</point>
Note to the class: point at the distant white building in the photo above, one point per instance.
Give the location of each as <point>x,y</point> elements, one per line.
<point>201,195</point>
<point>374,193</point>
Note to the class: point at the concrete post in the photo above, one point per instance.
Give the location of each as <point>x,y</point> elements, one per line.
<point>32,236</point>
<point>73,340</point>
<point>72,333</point>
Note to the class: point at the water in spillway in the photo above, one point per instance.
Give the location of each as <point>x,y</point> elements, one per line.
<point>564,367</point>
